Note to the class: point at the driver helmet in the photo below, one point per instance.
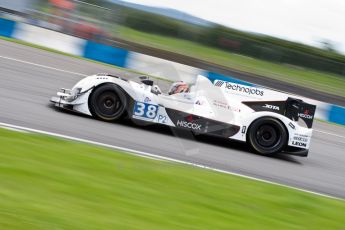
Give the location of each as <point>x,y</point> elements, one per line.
<point>178,87</point>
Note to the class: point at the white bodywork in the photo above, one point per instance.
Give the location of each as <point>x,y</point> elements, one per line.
<point>207,100</point>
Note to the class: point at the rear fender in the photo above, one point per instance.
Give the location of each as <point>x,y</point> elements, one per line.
<point>298,136</point>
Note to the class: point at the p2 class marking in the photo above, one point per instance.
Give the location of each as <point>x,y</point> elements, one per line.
<point>162,119</point>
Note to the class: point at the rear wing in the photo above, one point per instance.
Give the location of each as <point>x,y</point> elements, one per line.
<point>296,108</point>
<point>291,108</point>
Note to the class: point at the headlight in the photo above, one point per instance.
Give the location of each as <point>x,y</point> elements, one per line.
<point>73,94</point>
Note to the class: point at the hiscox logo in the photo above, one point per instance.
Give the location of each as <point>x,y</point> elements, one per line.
<point>239,88</point>
<point>306,115</point>
<point>189,125</point>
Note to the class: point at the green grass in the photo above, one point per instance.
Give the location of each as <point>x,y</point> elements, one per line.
<point>325,82</point>
<point>48,183</point>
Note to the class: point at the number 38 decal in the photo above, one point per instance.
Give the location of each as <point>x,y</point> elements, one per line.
<point>145,110</point>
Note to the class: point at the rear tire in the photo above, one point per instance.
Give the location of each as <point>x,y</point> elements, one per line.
<point>108,102</point>
<point>267,136</point>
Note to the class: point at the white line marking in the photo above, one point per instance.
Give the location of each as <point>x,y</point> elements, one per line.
<point>332,134</point>
<point>43,66</point>
<point>28,130</point>
<point>158,157</point>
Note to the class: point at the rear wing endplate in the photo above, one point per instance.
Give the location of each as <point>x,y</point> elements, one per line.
<point>298,109</point>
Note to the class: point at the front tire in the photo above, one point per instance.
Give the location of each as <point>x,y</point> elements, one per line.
<point>108,102</point>
<point>267,136</point>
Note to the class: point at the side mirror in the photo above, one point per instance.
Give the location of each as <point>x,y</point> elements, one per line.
<point>143,77</point>
<point>147,82</point>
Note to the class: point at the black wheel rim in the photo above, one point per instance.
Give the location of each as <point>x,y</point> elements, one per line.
<point>267,136</point>
<point>108,104</point>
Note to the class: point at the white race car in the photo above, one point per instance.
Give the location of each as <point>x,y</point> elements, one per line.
<point>221,108</point>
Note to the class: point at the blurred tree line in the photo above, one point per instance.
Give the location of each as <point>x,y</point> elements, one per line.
<point>244,43</point>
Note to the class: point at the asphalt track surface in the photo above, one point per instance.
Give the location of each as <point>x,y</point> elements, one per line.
<point>29,77</point>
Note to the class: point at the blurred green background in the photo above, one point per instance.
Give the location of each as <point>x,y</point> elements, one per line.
<point>322,69</point>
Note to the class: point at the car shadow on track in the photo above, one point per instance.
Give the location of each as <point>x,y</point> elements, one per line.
<point>186,135</point>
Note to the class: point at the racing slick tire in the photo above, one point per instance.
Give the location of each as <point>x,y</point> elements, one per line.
<point>108,102</point>
<point>267,136</point>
